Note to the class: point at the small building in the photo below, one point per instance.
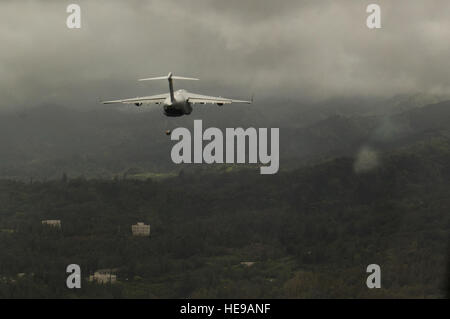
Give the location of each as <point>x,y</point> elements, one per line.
<point>104,276</point>
<point>52,222</point>
<point>247,263</point>
<point>140,229</point>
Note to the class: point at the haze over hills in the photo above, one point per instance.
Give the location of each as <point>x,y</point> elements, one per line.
<point>47,141</point>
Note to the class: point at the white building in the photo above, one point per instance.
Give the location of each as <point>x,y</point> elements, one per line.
<point>140,229</point>
<point>104,276</point>
<point>52,222</point>
<point>247,263</point>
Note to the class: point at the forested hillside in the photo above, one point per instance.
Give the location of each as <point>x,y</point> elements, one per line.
<point>311,232</point>
<point>45,142</point>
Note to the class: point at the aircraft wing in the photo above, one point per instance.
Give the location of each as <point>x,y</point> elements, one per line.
<point>204,99</point>
<point>153,99</point>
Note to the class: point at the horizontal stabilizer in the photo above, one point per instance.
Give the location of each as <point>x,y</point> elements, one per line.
<point>157,78</point>
<point>168,77</point>
<point>183,78</point>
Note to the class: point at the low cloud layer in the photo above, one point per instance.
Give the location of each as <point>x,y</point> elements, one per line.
<point>296,49</point>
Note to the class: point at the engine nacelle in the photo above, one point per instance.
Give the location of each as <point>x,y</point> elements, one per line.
<point>219,104</point>
<point>138,104</point>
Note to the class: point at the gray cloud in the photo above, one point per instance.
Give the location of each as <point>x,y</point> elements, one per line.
<point>313,49</point>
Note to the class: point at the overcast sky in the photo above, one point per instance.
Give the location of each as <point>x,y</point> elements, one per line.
<point>314,49</point>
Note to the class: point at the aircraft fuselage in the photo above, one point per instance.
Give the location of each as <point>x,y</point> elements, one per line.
<point>179,106</point>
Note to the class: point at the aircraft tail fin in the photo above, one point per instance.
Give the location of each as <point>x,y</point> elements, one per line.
<point>169,77</point>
